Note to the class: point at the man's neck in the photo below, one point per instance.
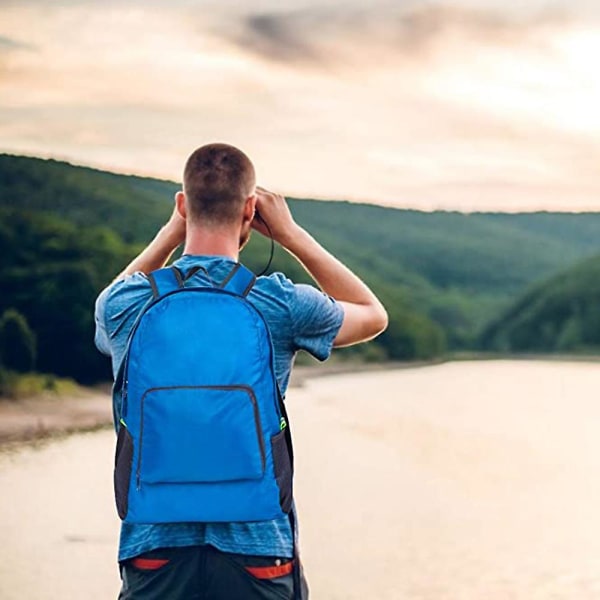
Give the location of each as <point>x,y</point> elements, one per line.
<point>211,242</point>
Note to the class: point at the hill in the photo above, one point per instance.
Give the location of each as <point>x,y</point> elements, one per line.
<point>66,230</point>
<point>560,314</point>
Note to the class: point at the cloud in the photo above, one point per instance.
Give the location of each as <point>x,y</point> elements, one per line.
<point>325,35</point>
<point>8,44</point>
<point>279,36</point>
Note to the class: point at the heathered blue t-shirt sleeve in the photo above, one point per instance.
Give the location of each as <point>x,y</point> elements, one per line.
<point>316,320</point>
<point>101,336</point>
<point>117,308</point>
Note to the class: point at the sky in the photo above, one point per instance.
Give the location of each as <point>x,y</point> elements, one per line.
<point>456,104</point>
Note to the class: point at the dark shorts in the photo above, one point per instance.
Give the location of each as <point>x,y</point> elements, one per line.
<point>204,573</point>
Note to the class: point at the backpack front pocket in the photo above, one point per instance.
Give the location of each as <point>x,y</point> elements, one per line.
<point>202,434</point>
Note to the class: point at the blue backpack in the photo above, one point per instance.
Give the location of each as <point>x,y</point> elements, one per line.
<point>203,435</point>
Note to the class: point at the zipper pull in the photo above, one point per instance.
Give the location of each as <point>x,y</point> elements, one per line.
<point>282,424</point>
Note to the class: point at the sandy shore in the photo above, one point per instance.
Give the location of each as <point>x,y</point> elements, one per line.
<point>37,418</point>
<point>42,417</point>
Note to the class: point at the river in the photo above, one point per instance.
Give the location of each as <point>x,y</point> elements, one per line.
<point>463,481</point>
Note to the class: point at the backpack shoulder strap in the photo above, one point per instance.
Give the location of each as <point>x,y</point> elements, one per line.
<point>165,280</point>
<point>239,281</point>
<point>162,281</point>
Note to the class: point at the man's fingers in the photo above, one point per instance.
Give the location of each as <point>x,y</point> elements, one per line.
<point>264,192</point>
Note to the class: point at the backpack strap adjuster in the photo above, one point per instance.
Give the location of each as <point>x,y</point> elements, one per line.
<point>239,281</point>
<point>165,280</point>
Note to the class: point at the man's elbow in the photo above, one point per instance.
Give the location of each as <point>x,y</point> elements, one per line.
<point>379,321</point>
<point>361,323</point>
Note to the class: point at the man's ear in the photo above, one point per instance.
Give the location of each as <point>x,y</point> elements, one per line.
<point>180,204</point>
<point>249,208</point>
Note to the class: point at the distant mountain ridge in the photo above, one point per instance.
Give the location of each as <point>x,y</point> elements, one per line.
<point>444,276</point>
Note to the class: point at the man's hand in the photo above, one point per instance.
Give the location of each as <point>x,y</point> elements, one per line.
<point>273,210</point>
<point>364,316</point>
<point>175,227</point>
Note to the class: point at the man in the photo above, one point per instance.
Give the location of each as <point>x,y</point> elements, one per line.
<point>214,215</point>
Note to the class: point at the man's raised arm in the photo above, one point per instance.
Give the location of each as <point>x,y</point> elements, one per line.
<point>156,254</point>
<point>364,315</point>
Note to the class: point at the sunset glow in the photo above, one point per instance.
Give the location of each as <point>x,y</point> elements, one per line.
<point>428,106</point>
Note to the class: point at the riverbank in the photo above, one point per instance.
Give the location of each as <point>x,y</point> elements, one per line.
<point>46,416</point>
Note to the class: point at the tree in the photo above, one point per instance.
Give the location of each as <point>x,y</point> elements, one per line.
<point>17,342</point>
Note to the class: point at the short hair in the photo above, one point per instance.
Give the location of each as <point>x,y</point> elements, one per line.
<point>217,180</point>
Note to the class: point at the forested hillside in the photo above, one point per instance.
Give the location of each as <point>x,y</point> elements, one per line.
<point>561,314</point>
<point>51,272</point>
<point>65,231</point>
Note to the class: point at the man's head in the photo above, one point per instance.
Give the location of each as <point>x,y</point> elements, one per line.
<point>219,185</point>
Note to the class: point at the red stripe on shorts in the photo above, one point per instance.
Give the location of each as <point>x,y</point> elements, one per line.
<point>271,572</point>
<point>149,564</point>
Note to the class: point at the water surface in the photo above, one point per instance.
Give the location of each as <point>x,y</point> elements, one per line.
<point>465,481</point>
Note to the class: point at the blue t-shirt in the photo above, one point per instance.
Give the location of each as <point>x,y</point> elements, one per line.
<point>299,317</point>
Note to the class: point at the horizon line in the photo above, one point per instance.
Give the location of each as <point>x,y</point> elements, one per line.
<point>385,204</point>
